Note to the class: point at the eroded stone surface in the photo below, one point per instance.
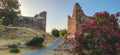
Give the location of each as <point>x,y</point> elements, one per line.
<point>77,18</point>
<point>37,22</point>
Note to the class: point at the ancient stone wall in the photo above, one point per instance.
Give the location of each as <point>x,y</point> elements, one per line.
<point>78,17</point>
<point>37,22</point>
<point>71,26</point>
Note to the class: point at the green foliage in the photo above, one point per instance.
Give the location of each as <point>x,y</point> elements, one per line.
<point>55,33</point>
<point>102,35</point>
<point>13,46</point>
<point>6,21</point>
<point>37,41</point>
<point>9,10</point>
<point>63,33</point>
<point>65,36</point>
<point>14,50</point>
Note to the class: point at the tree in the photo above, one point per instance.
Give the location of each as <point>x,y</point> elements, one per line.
<point>9,9</point>
<point>63,33</point>
<point>55,33</point>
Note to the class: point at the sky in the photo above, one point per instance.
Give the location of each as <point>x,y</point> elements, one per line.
<point>58,10</point>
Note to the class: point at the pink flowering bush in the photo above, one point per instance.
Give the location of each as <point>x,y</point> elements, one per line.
<point>100,36</point>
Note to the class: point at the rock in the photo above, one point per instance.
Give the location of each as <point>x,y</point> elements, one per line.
<point>22,46</point>
<point>55,54</point>
<point>22,33</point>
<point>3,47</point>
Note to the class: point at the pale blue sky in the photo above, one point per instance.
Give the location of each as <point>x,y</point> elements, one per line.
<point>58,10</point>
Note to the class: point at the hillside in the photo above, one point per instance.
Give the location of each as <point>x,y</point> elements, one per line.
<point>14,35</point>
<point>10,35</point>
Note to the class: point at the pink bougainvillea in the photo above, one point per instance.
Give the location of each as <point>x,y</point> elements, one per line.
<point>102,34</point>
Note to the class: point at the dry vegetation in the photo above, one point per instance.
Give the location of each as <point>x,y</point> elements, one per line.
<point>61,49</point>
<point>11,35</point>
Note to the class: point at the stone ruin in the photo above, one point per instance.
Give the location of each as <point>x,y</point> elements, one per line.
<point>38,22</point>
<point>78,17</point>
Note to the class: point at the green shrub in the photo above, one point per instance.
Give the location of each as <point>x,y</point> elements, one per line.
<point>63,33</point>
<point>14,50</point>
<point>55,33</point>
<point>37,41</point>
<point>13,46</point>
<point>65,36</point>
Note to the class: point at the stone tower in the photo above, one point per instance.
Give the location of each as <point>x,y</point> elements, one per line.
<point>77,18</point>
<point>42,17</point>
